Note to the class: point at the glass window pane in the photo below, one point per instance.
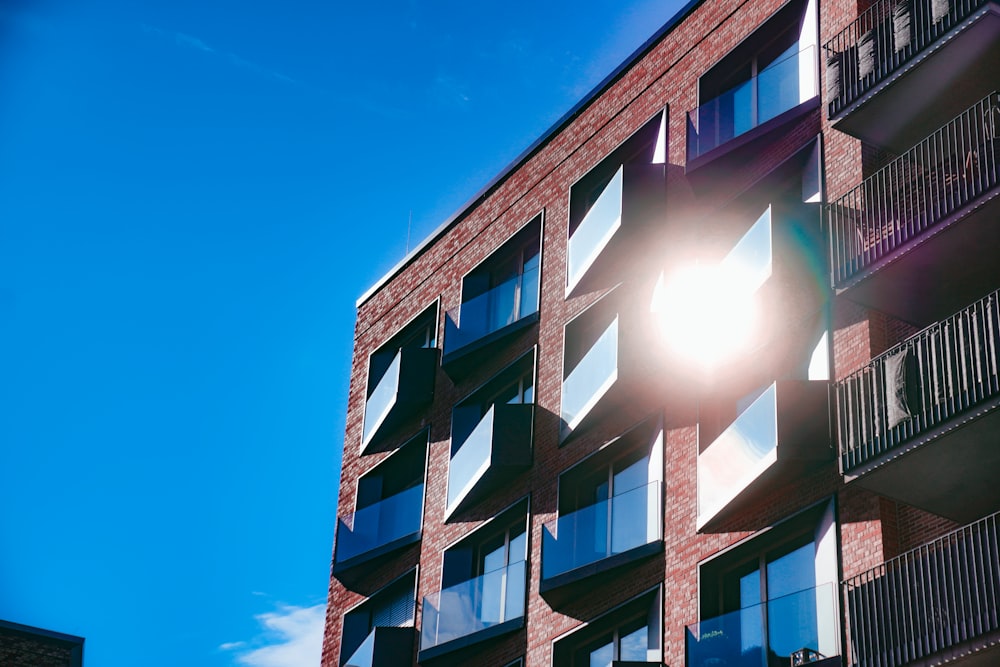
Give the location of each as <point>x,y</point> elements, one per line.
<point>602,656</point>
<point>792,572</point>
<point>635,644</point>
<point>632,477</point>
<point>518,547</point>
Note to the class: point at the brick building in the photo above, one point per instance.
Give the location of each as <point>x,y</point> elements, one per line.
<point>707,375</point>
<point>27,646</point>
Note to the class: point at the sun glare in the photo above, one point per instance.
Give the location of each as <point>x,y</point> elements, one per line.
<point>707,314</point>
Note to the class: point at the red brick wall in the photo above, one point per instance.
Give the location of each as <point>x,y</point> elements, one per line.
<point>871,528</point>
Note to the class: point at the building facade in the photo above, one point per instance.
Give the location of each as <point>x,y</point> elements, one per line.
<point>707,376</point>
<point>27,646</point>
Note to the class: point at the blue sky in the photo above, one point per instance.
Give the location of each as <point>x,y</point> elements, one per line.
<point>192,197</point>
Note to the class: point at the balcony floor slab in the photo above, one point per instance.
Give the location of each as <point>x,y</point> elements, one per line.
<point>930,277</point>
<point>951,471</point>
<point>932,87</point>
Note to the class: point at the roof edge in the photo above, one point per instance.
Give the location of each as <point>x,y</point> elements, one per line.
<point>536,146</point>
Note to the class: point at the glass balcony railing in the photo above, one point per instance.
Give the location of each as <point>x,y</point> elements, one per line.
<point>381,524</point>
<point>934,598</point>
<point>473,606</point>
<point>472,459</point>
<point>491,311</point>
<point>781,86</point>
<point>383,397</point>
<point>364,656</point>
<point>591,378</point>
<point>739,455</point>
<point>626,521</point>
<point>790,630</point>
<point>595,230</point>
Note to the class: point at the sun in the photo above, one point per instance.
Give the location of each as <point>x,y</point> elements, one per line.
<point>707,314</point>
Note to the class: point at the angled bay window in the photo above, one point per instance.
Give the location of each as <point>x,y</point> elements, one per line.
<point>773,599</point>
<point>491,433</point>
<point>625,192</point>
<point>379,632</point>
<point>765,416</point>
<point>610,512</point>
<point>400,377</point>
<point>772,72</point>
<point>631,634</point>
<point>483,587</point>
<point>499,297</point>
<point>389,510</point>
<point>604,348</point>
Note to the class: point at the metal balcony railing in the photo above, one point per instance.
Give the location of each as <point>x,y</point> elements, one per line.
<point>932,598</point>
<point>947,369</point>
<point>915,192</point>
<point>882,40</point>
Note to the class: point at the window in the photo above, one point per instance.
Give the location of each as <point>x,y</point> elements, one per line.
<point>392,606</point>
<point>624,193</point>
<point>629,633</point>
<point>592,361</point>
<point>491,433</point>
<point>493,550</point>
<point>610,510</point>
<point>497,295</point>
<point>773,596</point>
<point>400,377</point>
<point>389,508</point>
<point>483,586</point>
<point>770,72</point>
<point>514,386</point>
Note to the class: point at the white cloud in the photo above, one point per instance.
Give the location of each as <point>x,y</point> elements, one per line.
<point>292,636</point>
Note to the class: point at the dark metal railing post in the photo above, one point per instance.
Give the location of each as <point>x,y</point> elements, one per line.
<point>931,598</point>
<point>882,39</point>
<point>948,368</point>
<point>921,188</point>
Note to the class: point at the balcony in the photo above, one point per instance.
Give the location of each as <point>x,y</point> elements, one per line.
<point>935,603</point>
<point>632,200</point>
<point>603,536</point>
<point>590,379</point>
<point>782,433</point>
<point>406,386</point>
<point>379,529</point>
<point>897,235</point>
<point>473,611</point>
<point>496,313</point>
<point>903,68</point>
<point>769,96</point>
<point>797,629</point>
<point>384,647</point>
<point>925,411</point>
<point>496,449</point>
